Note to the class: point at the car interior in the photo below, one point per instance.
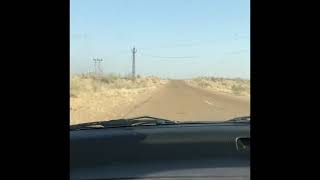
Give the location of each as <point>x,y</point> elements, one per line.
<point>193,150</point>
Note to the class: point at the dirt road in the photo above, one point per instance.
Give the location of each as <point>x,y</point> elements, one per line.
<point>180,101</point>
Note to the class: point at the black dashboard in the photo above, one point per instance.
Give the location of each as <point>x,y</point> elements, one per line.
<point>180,151</point>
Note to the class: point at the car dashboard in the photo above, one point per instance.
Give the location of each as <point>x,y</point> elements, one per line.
<point>181,151</point>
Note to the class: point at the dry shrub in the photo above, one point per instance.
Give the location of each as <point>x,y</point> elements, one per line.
<point>237,89</point>
<point>87,83</point>
<point>236,86</point>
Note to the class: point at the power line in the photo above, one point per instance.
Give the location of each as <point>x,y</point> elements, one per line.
<point>185,57</point>
<point>172,57</point>
<point>191,43</point>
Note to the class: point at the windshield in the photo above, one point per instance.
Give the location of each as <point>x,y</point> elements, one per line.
<point>179,60</point>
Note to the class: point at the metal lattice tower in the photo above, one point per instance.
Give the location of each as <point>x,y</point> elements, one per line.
<point>97,66</point>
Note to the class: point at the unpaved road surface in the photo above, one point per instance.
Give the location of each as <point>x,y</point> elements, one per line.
<point>182,102</point>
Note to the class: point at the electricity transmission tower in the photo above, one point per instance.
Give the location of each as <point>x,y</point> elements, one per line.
<point>97,66</point>
<point>134,51</point>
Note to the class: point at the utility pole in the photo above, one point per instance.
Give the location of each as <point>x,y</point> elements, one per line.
<point>134,51</point>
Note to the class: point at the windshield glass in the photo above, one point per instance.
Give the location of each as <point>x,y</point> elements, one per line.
<point>180,60</point>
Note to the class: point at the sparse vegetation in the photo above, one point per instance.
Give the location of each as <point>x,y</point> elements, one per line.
<point>98,97</point>
<point>91,83</point>
<point>236,86</point>
<point>237,89</point>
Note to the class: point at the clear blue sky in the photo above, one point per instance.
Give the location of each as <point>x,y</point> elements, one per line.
<point>214,33</point>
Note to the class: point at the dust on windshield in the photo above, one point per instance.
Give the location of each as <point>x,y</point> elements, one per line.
<point>178,60</point>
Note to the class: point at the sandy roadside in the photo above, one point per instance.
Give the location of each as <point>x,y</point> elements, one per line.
<point>108,104</point>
